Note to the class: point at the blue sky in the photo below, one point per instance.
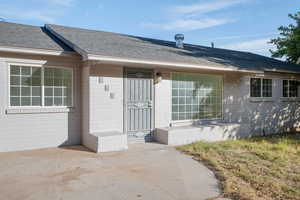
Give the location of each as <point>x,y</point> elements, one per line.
<point>235,24</point>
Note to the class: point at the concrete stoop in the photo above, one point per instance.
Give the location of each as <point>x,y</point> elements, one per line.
<point>108,141</point>
<point>204,132</point>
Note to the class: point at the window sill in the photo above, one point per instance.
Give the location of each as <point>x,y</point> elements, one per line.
<point>38,110</point>
<point>261,99</point>
<point>290,99</point>
<point>175,123</point>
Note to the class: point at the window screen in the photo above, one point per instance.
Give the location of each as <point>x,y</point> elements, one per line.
<point>196,96</point>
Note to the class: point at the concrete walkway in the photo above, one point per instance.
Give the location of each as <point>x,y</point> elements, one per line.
<point>145,171</point>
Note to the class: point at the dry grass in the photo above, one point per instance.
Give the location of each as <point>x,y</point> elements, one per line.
<point>256,168</point>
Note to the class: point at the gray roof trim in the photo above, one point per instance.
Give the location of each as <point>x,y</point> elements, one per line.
<point>67,42</point>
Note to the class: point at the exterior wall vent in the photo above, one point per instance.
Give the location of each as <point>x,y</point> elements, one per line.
<point>179,40</point>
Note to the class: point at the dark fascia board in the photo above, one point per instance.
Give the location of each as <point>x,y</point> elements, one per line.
<point>67,42</point>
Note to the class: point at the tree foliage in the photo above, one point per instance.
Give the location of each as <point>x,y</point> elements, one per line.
<point>288,43</point>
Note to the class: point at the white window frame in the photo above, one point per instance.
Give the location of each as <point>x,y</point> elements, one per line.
<point>297,97</point>
<point>202,119</point>
<point>261,88</point>
<point>42,106</point>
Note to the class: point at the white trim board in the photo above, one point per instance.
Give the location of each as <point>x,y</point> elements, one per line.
<point>122,61</point>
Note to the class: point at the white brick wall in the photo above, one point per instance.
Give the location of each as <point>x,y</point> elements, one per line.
<point>102,113</point>
<point>38,130</point>
<point>162,91</point>
<point>106,113</point>
<point>268,117</point>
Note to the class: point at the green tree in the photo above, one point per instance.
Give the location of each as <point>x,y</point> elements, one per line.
<point>288,43</point>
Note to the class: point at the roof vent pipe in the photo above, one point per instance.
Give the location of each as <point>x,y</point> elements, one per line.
<point>179,40</point>
<point>212,45</point>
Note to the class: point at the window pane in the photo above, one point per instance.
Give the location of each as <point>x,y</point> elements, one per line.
<point>26,81</point>
<point>25,91</point>
<point>14,91</point>
<point>175,116</point>
<point>293,88</point>
<point>48,91</point>
<point>49,81</point>
<point>175,108</point>
<point>58,92</point>
<point>26,70</point>
<point>36,91</point>
<point>15,101</point>
<point>58,81</point>
<point>15,70</point>
<point>36,101</point>
<point>36,71</point>
<point>267,87</point>
<point>48,72</point>
<point>58,101</point>
<point>175,93</point>
<point>193,90</point>
<point>58,73</point>
<point>25,101</point>
<point>48,101</point>
<point>255,87</point>
<point>15,80</point>
<point>285,88</point>
<point>175,100</point>
<point>68,101</point>
<point>36,81</point>
<point>67,82</point>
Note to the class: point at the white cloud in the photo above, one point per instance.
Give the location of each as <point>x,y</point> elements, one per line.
<point>202,8</point>
<point>188,24</point>
<point>259,46</point>
<point>194,17</point>
<point>62,2</point>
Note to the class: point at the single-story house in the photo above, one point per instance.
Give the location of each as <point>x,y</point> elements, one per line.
<point>65,86</point>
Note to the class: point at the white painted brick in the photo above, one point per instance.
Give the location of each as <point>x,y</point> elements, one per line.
<point>38,130</point>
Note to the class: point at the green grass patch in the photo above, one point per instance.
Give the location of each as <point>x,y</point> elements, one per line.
<point>253,169</point>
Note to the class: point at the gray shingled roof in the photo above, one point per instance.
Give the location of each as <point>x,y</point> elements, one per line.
<point>19,35</point>
<point>126,46</point>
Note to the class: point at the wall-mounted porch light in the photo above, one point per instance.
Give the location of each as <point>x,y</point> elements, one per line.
<point>158,77</point>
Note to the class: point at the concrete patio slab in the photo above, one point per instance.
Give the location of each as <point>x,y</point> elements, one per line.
<point>145,171</point>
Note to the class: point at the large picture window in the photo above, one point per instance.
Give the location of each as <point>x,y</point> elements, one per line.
<point>36,86</point>
<point>290,88</point>
<point>196,96</point>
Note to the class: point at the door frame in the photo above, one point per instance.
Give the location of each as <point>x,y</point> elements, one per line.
<point>125,118</point>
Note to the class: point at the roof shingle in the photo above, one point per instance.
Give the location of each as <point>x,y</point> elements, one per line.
<point>19,35</point>
<point>133,47</point>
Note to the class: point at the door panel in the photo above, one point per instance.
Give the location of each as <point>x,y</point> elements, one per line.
<point>138,103</point>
